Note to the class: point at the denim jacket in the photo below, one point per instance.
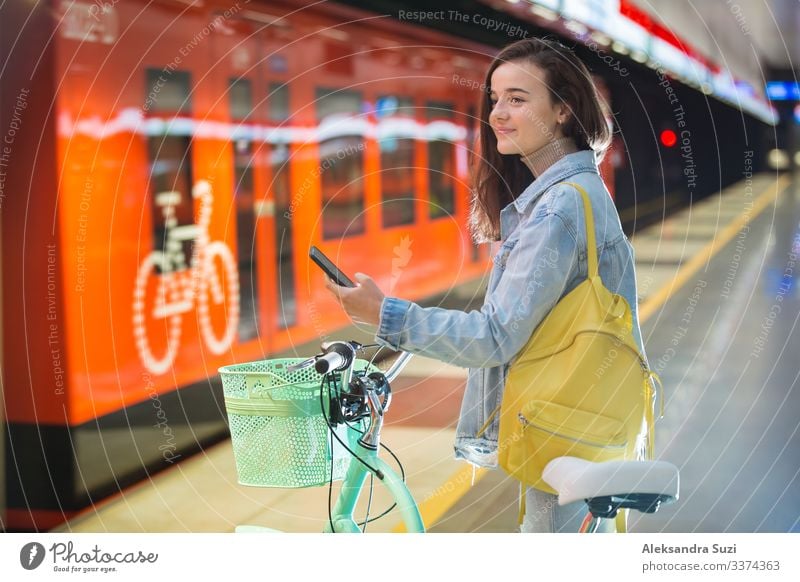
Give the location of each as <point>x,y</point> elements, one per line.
<point>541,257</point>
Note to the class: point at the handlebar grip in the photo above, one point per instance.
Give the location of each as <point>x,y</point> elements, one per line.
<point>330,361</point>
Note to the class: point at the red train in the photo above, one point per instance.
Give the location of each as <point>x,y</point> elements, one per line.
<point>177,162</point>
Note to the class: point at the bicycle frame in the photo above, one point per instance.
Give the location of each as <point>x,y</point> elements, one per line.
<point>645,485</point>
<point>342,515</point>
<point>342,520</point>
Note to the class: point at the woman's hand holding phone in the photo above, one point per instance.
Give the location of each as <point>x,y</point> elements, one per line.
<point>362,302</point>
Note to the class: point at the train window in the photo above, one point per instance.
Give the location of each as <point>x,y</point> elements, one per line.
<point>439,110</point>
<point>241,104</point>
<point>170,160</point>
<point>441,164</point>
<point>332,102</point>
<point>341,168</point>
<point>168,92</point>
<point>278,112</point>
<point>278,102</point>
<point>397,164</point>
<point>241,98</point>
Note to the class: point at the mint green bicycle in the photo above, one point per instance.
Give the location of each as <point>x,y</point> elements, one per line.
<point>309,422</point>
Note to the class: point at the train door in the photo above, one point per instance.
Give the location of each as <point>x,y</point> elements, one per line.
<point>254,70</point>
<point>258,108</point>
<point>281,240</point>
<point>235,70</point>
<point>276,212</point>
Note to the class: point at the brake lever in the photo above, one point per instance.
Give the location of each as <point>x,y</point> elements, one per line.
<point>301,365</point>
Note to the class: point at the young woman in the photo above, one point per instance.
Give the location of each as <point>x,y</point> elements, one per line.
<point>541,126</point>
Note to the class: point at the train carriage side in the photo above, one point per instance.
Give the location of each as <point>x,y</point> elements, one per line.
<point>199,152</point>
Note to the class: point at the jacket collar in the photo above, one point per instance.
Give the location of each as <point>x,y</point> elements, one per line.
<point>569,165</point>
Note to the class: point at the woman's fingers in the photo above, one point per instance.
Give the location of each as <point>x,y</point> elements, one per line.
<point>363,302</point>
<point>332,287</point>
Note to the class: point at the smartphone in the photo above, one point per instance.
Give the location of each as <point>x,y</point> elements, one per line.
<point>331,270</point>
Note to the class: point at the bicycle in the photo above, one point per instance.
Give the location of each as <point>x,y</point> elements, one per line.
<point>267,399</point>
<point>321,401</point>
<point>179,288</point>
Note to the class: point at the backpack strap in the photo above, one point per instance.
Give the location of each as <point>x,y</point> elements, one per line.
<point>649,412</point>
<point>622,521</point>
<point>591,253</point>
<point>591,242</point>
<point>488,421</point>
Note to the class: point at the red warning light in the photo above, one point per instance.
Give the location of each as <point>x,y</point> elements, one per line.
<point>668,138</point>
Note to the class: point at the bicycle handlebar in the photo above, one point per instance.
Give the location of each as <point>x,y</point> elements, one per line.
<point>366,393</point>
<point>334,357</point>
<point>330,361</point>
<point>398,366</point>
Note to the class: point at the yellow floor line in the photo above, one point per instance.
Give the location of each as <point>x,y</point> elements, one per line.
<point>452,490</point>
<point>446,495</point>
<point>768,196</point>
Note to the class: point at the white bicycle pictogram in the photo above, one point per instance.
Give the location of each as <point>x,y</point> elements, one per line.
<point>179,288</point>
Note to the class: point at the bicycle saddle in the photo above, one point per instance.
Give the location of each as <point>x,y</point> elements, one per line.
<point>607,487</point>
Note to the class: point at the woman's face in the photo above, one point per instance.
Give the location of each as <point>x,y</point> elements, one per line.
<point>523,116</point>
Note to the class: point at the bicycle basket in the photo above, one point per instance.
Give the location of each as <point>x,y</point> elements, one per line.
<point>279,435</point>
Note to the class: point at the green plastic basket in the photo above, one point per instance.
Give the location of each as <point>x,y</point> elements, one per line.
<point>279,435</point>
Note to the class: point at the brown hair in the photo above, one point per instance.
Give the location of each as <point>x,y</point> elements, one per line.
<point>499,178</point>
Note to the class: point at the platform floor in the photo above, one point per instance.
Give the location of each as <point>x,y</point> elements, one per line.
<point>720,305</point>
<point>719,310</point>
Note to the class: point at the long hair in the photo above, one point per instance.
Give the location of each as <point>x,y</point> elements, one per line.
<point>499,178</point>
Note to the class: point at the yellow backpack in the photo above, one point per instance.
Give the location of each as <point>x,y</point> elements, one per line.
<point>579,387</point>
